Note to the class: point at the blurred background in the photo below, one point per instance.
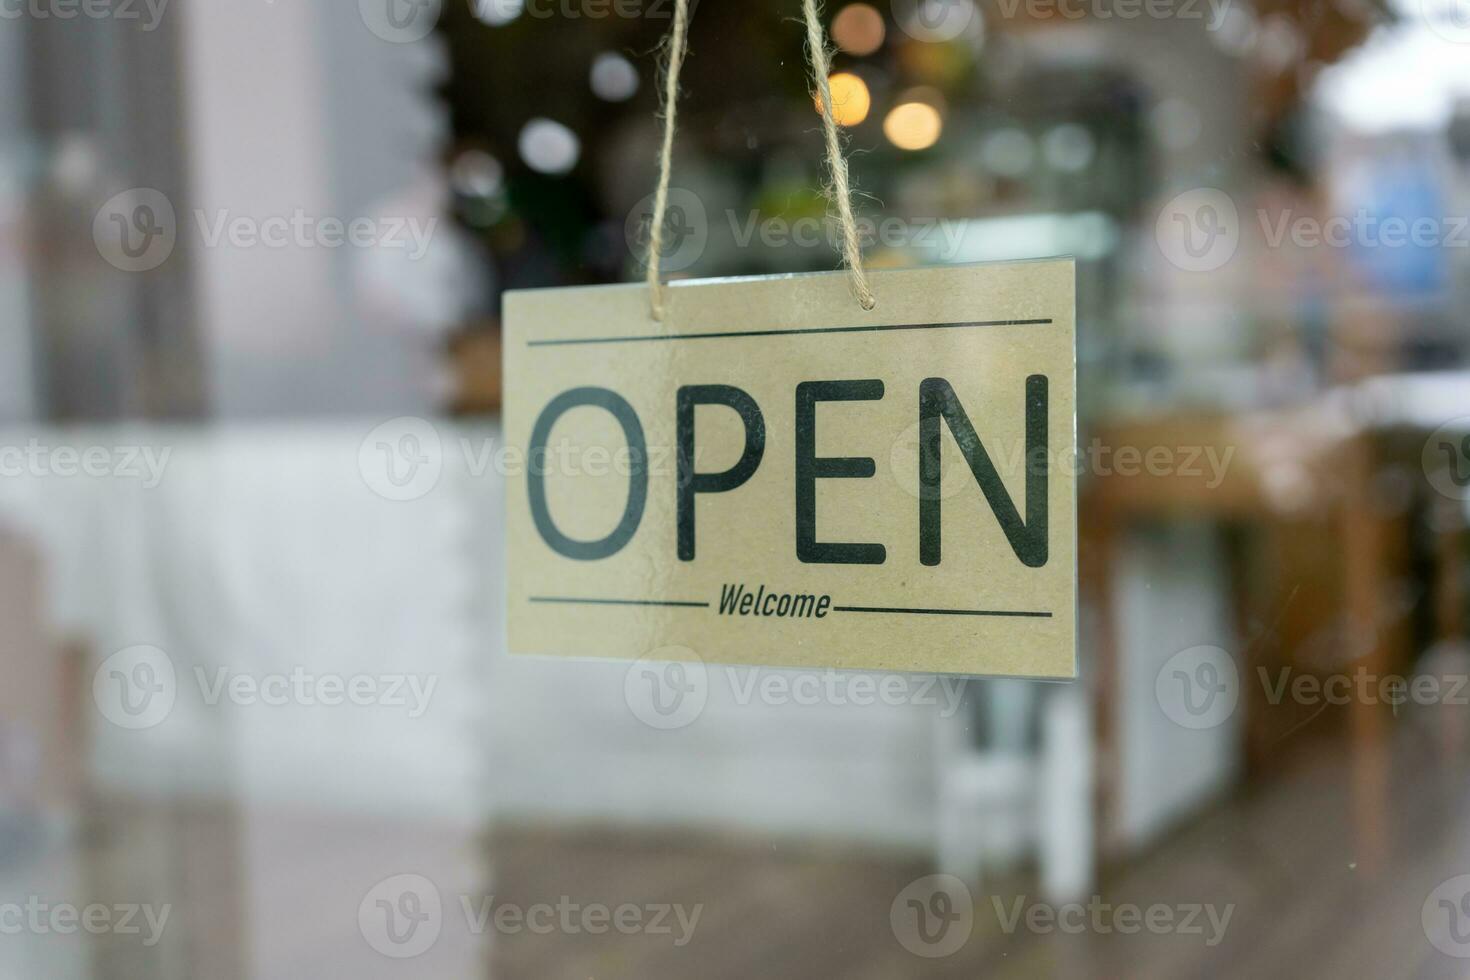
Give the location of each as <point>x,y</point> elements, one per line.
<point>257,718</point>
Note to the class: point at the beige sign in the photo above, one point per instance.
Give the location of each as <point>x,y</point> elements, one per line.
<point>774,476</point>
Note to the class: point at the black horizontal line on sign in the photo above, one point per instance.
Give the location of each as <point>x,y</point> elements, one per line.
<point>942,612</point>
<point>729,334</point>
<point>570,601</point>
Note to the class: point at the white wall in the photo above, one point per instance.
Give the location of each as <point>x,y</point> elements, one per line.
<point>1167,604</point>
<point>299,107</point>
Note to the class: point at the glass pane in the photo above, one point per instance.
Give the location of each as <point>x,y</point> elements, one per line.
<point>258,716</point>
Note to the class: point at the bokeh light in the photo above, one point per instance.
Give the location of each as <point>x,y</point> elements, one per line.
<point>913,126</point>
<point>1068,148</point>
<point>937,20</point>
<point>851,100</point>
<point>476,173</point>
<point>614,79</point>
<point>498,13</point>
<point>858,29</point>
<point>548,147</point>
<point>1008,152</point>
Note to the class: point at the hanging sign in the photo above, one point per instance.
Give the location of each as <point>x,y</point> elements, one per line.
<point>772,475</point>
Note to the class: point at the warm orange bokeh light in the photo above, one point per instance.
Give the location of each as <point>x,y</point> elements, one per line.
<point>858,29</point>
<point>850,98</point>
<point>913,126</point>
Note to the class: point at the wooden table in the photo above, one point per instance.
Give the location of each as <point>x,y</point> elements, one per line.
<point>1300,489</point>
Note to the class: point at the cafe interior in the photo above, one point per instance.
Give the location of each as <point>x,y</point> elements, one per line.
<point>1268,203</point>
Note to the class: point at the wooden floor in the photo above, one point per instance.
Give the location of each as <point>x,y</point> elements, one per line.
<point>1284,856</point>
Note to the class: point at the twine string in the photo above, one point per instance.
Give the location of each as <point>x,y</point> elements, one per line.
<point>837,188</point>
<point>677,44</point>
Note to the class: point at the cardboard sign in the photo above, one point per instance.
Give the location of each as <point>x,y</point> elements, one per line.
<point>774,476</point>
